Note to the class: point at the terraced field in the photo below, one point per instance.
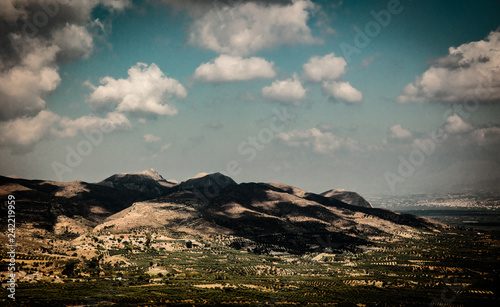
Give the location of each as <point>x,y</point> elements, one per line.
<point>454,269</point>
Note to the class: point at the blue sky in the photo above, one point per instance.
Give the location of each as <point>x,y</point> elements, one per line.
<point>406,102</point>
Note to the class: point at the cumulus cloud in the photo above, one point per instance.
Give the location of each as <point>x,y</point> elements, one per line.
<point>197,7</point>
<point>226,68</point>
<point>143,92</point>
<point>322,142</point>
<point>289,91</point>
<point>399,133</point>
<point>32,49</point>
<point>487,136</point>
<point>9,12</point>
<point>328,67</point>
<point>455,125</point>
<point>469,72</point>
<point>151,138</point>
<point>459,134</point>
<point>342,91</point>
<point>29,62</point>
<point>22,87</point>
<point>116,5</point>
<point>74,41</point>
<point>248,27</point>
<point>113,121</point>
<point>35,37</point>
<point>23,133</point>
<point>465,137</point>
<point>76,11</point>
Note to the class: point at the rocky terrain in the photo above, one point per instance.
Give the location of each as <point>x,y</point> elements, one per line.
<point>266,216</point>
<point>138,239</point>
<point>40,203</point>
<point>348,197</point>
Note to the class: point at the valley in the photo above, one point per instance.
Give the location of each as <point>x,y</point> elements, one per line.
<point>146,267</point>
<point>247,244</point>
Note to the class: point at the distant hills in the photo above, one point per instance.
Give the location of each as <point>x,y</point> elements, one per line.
<point>351,198</point>
<point>149,182</point>
<point>260,216</point>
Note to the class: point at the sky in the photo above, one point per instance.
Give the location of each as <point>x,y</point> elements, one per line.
<point>378,97</point>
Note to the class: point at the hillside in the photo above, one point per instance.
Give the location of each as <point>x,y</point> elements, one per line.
<point>138,239</point>
<point>41,203</point>
<point>148,182</point>
<point>272,216</point>
<point>266,216</point>
<point>351,198</point>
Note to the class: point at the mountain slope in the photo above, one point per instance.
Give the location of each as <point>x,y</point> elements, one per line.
<point>41,203</point>
<point>268,217</point>
<point>351,198</point>
<point>205,185</point>
<point>265,216</point>
<point>149,182</point>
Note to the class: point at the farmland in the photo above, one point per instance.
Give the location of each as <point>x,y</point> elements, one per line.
<point>151,267</point>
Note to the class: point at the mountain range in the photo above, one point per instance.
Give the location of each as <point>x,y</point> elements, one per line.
<point>259,216</point>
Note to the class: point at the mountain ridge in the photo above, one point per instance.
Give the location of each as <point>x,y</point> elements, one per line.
<point>351,198</point>
<point>274,215</point>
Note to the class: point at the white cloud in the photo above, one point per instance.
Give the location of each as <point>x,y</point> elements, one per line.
<point>150,138</point>
<point>287,91</point>
<point>75,42</point>
<point>399,133</point>
<point>113,121</point>
<point>328,67</point>
<point>165,147</point>
<point>116,5</point>
<point>455,125</point>
<point>10,10</point>
<point>142,92</point>
<point>22,133</point>
<point>469,72</point>
<point>342,91</point>
<point>226,68</point>
<point>485,136</point>
<point>459,134</point>
<point>319,141</point>
<point>22,87</point>
<point>29,62</point>
<point>365,62</point>
<point>248,27</point>
<point>29,57</point>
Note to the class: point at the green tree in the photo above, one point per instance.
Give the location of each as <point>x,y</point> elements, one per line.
<point>70,266</point>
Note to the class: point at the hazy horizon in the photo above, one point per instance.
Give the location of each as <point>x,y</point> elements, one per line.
<point>377,97</point>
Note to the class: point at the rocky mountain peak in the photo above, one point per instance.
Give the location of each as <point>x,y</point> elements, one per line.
<point>151,173</point>
<point>206,181</point>
<point>147,181</point>
<point>348,197</point>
